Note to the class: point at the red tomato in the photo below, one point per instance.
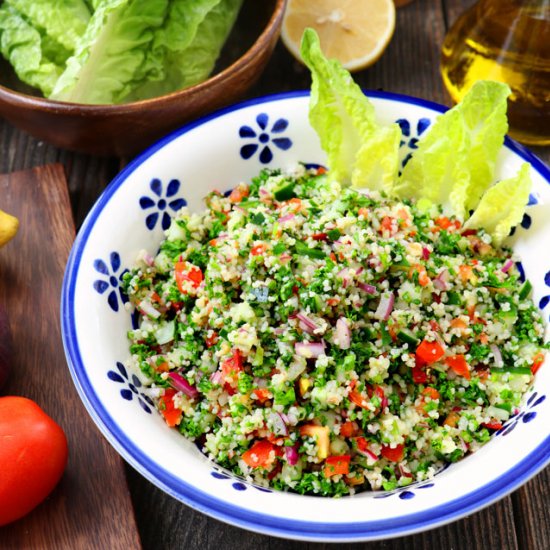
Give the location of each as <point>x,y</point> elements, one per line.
<point>260,455</point>
<point>171,415</point>
<point>33,456</point>
<point>336,465</point>
<point>187,272</point>
<point>394,455</point>
<point>459,365</point>
<point>429,352</point>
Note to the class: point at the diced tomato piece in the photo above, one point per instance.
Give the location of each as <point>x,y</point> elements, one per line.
<point>362,444</point>
<point>260,455</point>
<point>186,272</point>
<point>452,419</point>
<point>321,170</point>
<point>538,360</point>
<point>258,249</point>
<point>429,352</point>
<point>332,256</point>
<point>387,224</point>
<point>211,340</point>
<point>347,429</point>
<point>394,455</point>
<point>445,223</point>
<point>465,273</point>
<point>493,425</point>
<point>423,279</point>
<point>419,374</point>
<point>336,465</point>
<point>239,193</point>
<point>333,302</point>
<point>432,393</point>
<point>231,368</point>
<point>172,416</point>
<point>363,212</point>
<point>319,237</point>
<point>459,323</point>
<point>459,365</point>
<point>262,395</point>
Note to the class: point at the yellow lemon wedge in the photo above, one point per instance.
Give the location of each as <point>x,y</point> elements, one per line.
<point>8,227</point>
<point>355,32</point>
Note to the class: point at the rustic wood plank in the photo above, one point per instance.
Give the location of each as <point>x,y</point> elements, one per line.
<point>91,507</point>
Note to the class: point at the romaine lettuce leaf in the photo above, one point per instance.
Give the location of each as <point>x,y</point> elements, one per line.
<point>187,46</point>
<point>455,159</point>
<point>359,150</point>
<point>27,51</point>
<point>112,52</point>
<point>502,206</point>
<point>63,20</point>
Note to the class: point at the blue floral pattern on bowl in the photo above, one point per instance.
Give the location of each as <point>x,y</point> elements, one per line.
<point>262,138</point>
<point>545,300</point>
<point>237,485</point>
<point>131,389</point>
<point>111,280</point>
<point>527,415</point>
<point>161,201</point>
<point>410,138</point>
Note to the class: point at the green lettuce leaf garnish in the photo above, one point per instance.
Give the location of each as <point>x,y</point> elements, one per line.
<point>360,151</point>
<point>455,159</point>
<point>110,55</point>
<point>28,51</point>
<point>502,206</point>
<point>187,46</point>
<point>64,21</point>
<point>453,165</point>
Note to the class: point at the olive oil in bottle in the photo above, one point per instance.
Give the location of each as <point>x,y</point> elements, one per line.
<point>508,41</point>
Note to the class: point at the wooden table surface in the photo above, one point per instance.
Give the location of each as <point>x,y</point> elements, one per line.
<point>409,66</point>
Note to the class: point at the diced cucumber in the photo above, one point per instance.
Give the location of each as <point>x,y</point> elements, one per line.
<point>408,337</point>
<point>525,290</point>
<point>285,192</point>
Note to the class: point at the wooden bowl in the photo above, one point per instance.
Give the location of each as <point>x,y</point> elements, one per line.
<point>121,130</point>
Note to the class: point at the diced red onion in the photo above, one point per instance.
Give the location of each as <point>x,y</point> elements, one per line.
<point>344,275</point>
<point>403,472</point>
<point>309,350</point>
<point>292,455</point>
<point>369,289</point>
<point>278,423</point>
<point>343,333</point>
<point>216,377</point>
<point>306,323</point>
<point>264,192</point>
<point>359,271</point>
<point>384,403</point>
<point>286,218</point>
<point>441,281</point>
<point>371,455</point>
<point>148,259</point>
<point>293,315</point>
<point>278,331</point>
<point>385,306</point>
<point>181,384</point>
<point>146,307</point>
<point>507,265</point>
<point>497,355</point>
<point>425,253</point>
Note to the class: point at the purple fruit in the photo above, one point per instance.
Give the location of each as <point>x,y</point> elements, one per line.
<point>5,348</point>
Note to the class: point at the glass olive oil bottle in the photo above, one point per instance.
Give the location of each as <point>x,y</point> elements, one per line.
<point>508,41</point>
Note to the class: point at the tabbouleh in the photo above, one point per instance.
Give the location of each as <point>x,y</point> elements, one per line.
<point>316,339</point>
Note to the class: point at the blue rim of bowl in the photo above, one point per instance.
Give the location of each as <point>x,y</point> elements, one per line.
<point>230,513</point>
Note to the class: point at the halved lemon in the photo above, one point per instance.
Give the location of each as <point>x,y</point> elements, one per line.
<point>356,32</point>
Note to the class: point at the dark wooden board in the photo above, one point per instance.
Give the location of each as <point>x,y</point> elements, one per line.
<point>91,507</point>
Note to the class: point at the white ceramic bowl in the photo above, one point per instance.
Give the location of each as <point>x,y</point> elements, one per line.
<point>218,152</point>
